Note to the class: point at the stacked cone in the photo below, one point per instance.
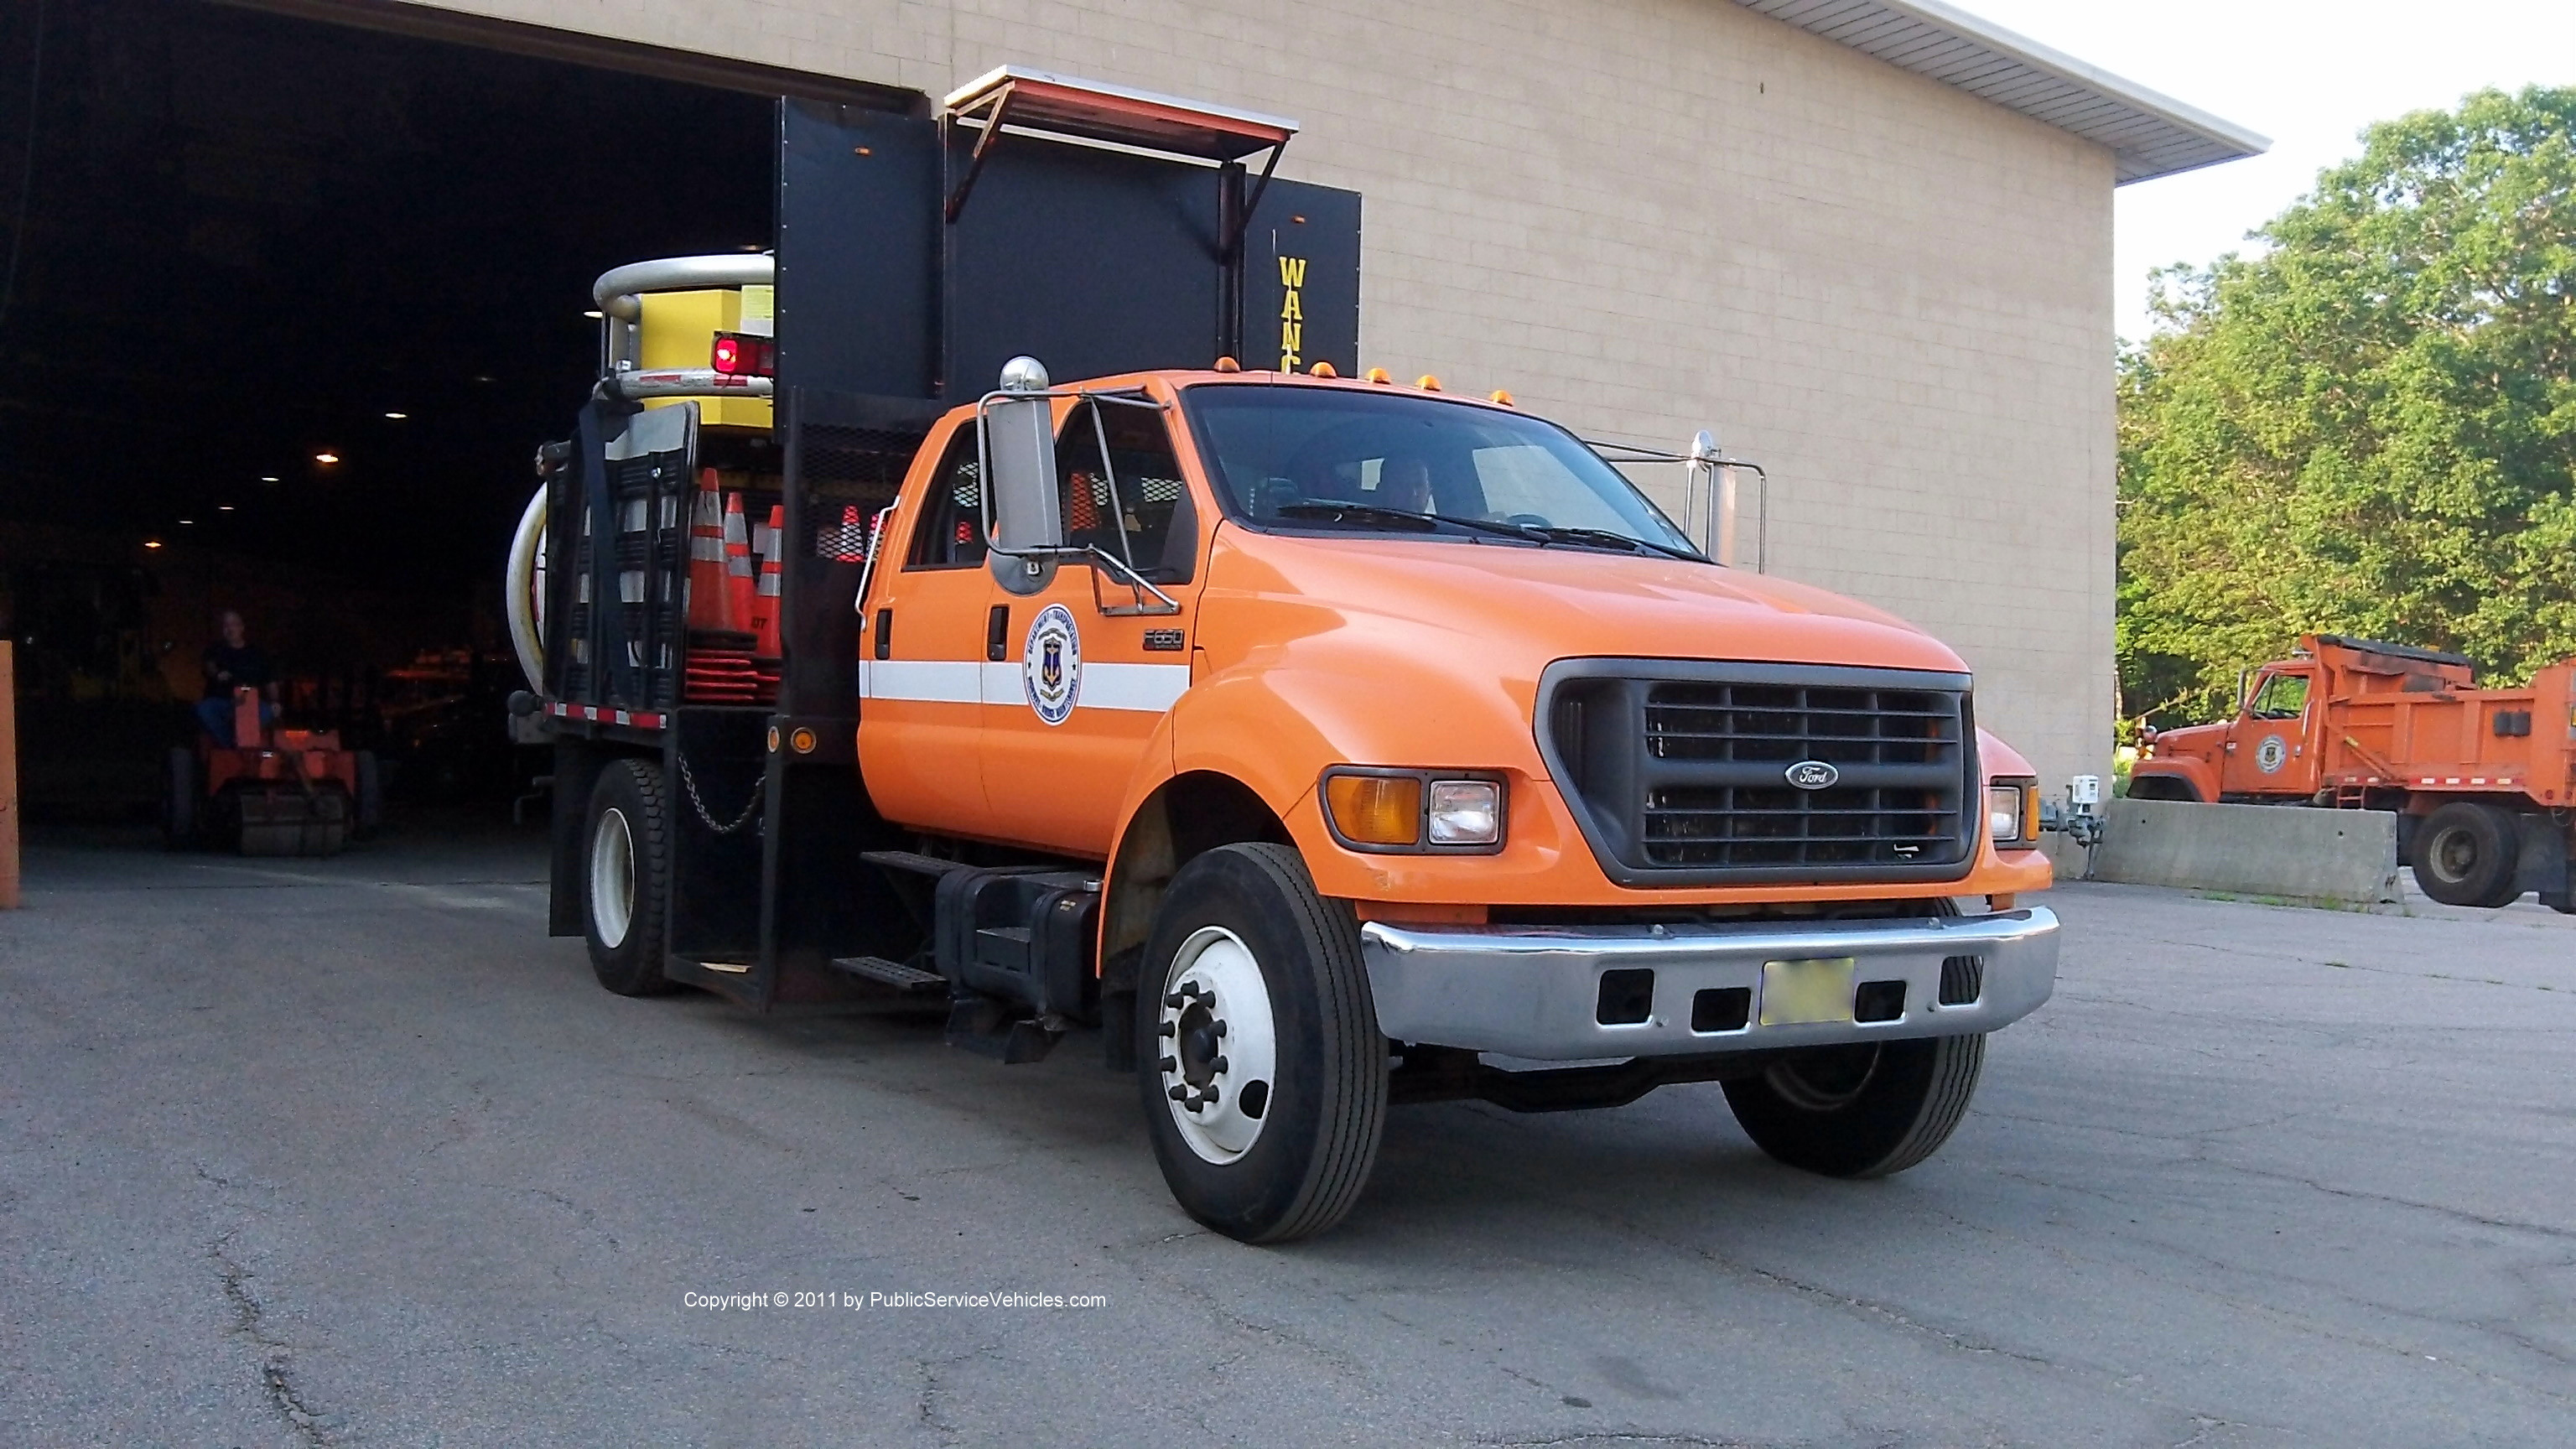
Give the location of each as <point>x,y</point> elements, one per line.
<point>706,556</point>
<point>733,608</point>
<point>765,651</point>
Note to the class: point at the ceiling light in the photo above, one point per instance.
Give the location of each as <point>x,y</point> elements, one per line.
<point>187,522</point>
<point>223,508</point>
<point>326,459</point>
<point>151,543</point>
<point>268,477</point>
<point>593,316</point>
<point>397,417</point>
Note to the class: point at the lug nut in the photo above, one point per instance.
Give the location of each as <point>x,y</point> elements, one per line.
<point>1176,1000</point>
<point>1179,1094</point>
<point>1220,1026</point>
<point>1167,1064</point>
<point>1217,1065</point>
<point>1168,1028</point>
<point>1208,1100</point>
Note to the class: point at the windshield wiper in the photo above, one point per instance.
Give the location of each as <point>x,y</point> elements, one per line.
<point>1604,538</point>
<point>1325,508</point>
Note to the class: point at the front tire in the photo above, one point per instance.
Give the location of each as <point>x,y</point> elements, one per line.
<point>1260,1064</point>
<point>2466,854</point>
<point>626,879</point>
<point>1860,1111</point>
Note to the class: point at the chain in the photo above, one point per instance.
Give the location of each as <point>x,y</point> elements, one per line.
<point>751,807</point>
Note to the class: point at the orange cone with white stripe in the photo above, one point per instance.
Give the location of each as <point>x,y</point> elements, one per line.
<point>739,589</point>
<point>764,601</point>
<point>706,556</point>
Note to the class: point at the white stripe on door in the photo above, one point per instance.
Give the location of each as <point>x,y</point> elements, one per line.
<point>1149,688</point>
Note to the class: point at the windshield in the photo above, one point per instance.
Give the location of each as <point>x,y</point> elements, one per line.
<point>1312,457</point>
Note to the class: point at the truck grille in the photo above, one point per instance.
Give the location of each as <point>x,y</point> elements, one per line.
<point>1681,770</point>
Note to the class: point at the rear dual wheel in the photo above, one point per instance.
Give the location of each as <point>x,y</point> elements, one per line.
<point>2467,854</point>
<point>626,878</point>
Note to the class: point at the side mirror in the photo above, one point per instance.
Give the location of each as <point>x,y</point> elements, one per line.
<point>1022,508</point>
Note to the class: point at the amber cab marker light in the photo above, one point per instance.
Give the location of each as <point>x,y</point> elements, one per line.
<point>1502,395</point>
<point>1376,809</point>
<point>1322,369</point>
<point>1427,383</point>
<point>1378,375</point>
<point>1228,364</point>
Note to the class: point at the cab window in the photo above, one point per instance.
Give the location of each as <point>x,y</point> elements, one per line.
<point>950,533</point>
<point>2283,696</point>
<point>1149,522</point>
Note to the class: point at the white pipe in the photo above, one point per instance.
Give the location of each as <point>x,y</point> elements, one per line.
<point>689,382</point>
<point>617,292</point>
<point>519,591</point>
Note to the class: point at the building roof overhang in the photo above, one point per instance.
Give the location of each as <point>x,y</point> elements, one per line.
<point>2148,135</point>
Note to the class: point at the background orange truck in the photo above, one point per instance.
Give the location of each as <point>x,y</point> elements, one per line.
<point>1326,743</point>
<point>2482,779</point>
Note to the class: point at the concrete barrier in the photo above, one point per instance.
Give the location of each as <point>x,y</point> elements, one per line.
<point>2290,852</point>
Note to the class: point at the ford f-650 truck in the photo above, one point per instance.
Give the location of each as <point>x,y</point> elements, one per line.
<point>1328,743</point>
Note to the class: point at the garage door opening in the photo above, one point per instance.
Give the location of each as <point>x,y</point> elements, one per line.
<point>288,307</point>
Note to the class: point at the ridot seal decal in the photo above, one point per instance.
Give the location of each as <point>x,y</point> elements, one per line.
<point>1051,666</point>
<point>2271,755</point>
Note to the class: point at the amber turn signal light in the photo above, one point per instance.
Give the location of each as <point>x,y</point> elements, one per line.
<point>1376,809</point>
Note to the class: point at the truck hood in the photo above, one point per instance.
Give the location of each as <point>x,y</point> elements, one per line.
<point>1521,607</point>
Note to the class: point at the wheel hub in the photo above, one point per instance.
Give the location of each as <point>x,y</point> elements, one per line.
<point>1214,1045</point>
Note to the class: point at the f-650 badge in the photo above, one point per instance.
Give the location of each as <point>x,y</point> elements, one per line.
<point>1051,665</point>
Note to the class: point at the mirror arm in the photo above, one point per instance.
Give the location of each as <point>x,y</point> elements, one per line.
<point>1163,602</point>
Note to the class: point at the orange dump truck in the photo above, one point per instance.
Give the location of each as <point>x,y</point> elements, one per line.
<point>2482,779</point>
<point>1324,743</point>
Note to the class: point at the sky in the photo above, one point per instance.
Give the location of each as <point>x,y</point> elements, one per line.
<point>2310,74</point>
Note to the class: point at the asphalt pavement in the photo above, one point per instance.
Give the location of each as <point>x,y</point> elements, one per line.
<point>350,1152</point>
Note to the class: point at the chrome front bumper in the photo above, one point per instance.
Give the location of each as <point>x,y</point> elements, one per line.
<point>1536,991</point>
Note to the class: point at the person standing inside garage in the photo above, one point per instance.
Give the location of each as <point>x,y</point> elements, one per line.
<point>233,662</point>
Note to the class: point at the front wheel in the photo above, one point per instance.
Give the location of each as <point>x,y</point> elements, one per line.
<point>626,880</point>
<point>1262,1069</point>
<point>1860,1111</point>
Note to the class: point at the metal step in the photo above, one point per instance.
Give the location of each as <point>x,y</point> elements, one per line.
<point>889,973</point>
<point>913,862</point>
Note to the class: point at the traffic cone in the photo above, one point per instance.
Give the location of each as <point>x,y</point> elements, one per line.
<point>706,556</point>
<point>738,585</point>
<point>764,601</point>
<point>845,542</point>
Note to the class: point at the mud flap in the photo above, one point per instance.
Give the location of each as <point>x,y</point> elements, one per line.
<point>2542,866</point>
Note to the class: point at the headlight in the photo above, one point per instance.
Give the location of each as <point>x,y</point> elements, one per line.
<point>2012,812</point>
<point>1425,811</point>
<point>1466,812</point>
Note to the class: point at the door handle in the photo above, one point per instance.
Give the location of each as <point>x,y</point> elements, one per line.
<point>885,634</point>
<point>997,633</point>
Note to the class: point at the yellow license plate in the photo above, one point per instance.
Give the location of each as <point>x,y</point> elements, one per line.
<point>1798,992</point>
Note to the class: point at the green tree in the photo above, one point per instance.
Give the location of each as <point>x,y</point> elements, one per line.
<point>2370,427</point>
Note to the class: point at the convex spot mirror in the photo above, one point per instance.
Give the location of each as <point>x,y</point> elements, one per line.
<point>1022,510</point>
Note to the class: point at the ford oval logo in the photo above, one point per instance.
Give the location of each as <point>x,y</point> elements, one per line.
<point>1813,775</point>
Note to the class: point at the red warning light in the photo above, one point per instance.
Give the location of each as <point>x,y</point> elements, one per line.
<point>737,355</point>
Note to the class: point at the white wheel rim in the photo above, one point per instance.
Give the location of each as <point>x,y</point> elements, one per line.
<point>612,878</point>
<point>1216,1045</point>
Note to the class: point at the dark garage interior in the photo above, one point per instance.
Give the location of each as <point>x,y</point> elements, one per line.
<point>288,306</point>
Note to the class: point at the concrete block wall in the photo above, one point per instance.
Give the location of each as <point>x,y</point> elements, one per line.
<point>1649,216</point>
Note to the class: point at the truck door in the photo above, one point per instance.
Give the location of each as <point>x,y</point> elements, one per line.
<point>1093,662</point>
<point>2270,749</point>
<point>922,653</point>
